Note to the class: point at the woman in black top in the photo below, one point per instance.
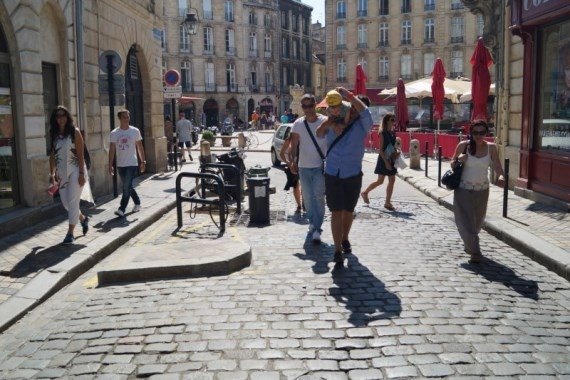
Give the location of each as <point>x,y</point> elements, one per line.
<point>385,164</point>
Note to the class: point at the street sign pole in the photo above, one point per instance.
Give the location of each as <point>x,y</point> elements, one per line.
<point>112,117</point>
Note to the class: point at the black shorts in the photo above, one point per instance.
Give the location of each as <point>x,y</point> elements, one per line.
<point>342,193</point>
<point>188,144</point>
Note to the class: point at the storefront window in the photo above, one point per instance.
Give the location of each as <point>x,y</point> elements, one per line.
<point>554,112</point>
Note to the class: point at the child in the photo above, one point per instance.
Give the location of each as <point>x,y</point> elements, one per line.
<point>337,111</point>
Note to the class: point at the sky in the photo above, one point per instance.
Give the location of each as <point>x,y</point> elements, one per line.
<point>318,10</point>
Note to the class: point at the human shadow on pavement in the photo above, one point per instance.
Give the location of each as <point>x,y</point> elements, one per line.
<point>117,222</point>
<point>317,253</point>
<point>37,260</point>
<point>497,272</point>
<point>363,293</point>
<point>398,214</point>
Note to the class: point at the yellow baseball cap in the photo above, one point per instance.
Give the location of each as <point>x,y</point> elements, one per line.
<point>333,98</point>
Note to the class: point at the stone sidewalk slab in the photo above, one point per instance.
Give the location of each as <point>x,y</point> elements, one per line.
<point>207,258</point>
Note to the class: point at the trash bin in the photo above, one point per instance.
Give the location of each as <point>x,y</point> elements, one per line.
<point>258,192</point>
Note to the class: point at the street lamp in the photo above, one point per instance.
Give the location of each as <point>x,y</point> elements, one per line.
<point>190,23</point>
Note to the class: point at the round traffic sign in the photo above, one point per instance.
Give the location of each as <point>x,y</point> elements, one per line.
<point>115,58</point>
<point>172,77</point>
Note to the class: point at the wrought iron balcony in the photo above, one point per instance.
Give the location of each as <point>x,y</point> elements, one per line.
<point>457,40</point>
<point>429,40</point>
<point>253,88</point>
<point>362,13</point>
<point>384,11</point>
<point>340,15</point>
<point>406,42</point>
<point>253,53</point>
<point>383,43</point>
<point>209,50</point>
<point>362,45</point>
<point>268,54</point>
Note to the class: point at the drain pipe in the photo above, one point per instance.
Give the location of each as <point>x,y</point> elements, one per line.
<point>80,63</point>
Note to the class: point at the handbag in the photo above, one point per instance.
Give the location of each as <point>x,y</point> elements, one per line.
<point>452,177</point>
<point>400,163</point>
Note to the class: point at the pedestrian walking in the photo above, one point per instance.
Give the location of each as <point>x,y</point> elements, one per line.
<point>307,154</point>
<point>343,169</point>
<point>292,178</point>
<point>126,142</point>
<point>168,133</point>
<point>68,169</point>
<point>254,120</point>
<point>184,133</point>
<point>471,197</point>
<point>385,162</point>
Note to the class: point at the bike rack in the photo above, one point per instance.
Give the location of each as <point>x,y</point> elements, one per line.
<point>220,202</point>
<point>238,183</point>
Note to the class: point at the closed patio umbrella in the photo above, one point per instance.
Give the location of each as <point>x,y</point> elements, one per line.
<point>360,82</point>
<point>481,83</point>
<point>402,116</point>
<point>438,93</point>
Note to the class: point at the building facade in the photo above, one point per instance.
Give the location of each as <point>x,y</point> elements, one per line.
<point>395,39</point>
<point>530,42</point>
<point>49,55</point>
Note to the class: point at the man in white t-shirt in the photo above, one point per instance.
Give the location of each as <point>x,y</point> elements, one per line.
<point>184,134</point>
<point>126,141</point>
<point>310,164</point>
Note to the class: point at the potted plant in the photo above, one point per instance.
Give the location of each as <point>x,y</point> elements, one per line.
<point>209,136</point>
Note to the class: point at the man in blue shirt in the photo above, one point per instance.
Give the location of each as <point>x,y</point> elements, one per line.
<point>343,169</point>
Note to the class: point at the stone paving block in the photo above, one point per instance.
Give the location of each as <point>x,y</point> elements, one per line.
<point>472,370</point>
<point>436,370</point>
<point>269,375</point>
<point>391,361</point>
<point>505,369</point>
<point>401,372</point>
<point>322,365</point>
<point>365,374</point>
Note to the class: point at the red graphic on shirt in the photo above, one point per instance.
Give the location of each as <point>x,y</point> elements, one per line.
<point>123,143</point>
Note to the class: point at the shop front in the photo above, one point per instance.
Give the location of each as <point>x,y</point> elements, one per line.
<point>544,26</point>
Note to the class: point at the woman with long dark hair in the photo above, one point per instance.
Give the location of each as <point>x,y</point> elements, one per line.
<point>68,169</point>
<point>471,198</point>
<point>385,163</point>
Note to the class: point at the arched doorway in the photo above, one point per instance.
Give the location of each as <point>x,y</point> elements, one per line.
<point>189,109</point>
<point>211,111</point>
<point>9,192</point>
<point>266,106</point>
<point>134,90</point>
<point>250,108</point>
<point>232,108</point>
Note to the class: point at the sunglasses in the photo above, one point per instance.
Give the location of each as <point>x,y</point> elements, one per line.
<point>308,105</point>
<point>478,133</point>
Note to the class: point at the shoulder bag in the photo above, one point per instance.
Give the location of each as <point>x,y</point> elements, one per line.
<point>452,177</point>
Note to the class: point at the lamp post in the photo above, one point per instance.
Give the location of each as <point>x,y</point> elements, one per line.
<point>190,26</point>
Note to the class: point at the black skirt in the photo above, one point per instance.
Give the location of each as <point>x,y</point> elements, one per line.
<point>381,167</point>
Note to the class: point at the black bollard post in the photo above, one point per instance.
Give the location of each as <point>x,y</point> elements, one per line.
<point>439,152</point>
<point>427,154</point>
<point>506,188</point>
<point>174,134</point>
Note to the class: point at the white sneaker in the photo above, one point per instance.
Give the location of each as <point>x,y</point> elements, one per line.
<point>119,212</point>
<point>316,237</point>
<point>136,208</point>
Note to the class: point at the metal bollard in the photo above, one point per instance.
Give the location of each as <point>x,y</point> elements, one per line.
<point>439,153</point>
<point>506,188</point>
<point>427,156</point>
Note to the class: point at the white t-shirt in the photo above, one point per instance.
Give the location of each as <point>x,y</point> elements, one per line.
<point>183,129</point>
<point>125,141</point>
<point>308,154</point>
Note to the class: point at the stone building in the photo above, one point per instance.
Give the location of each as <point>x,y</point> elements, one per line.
<point>49,55</point>
<point>394,39</point>
<point>530,43</point>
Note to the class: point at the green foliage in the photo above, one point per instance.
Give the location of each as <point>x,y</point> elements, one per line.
<point>207,135</point>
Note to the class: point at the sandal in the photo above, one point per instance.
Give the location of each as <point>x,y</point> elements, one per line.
<point>365,198</point>
<point>389,206</point>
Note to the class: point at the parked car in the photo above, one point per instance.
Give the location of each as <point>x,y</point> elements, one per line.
<point>278,140</point>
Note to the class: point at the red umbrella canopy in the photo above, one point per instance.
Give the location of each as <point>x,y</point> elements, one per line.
<point>402,116</point>
<point>481,81</point>
<point>437,91</point>
<point>360,83</point>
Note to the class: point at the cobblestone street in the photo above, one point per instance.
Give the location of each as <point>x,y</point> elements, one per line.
<point>407,304</point>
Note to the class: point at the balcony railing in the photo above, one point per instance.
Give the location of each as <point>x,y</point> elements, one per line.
<point>362,45</point>
<point>341,79</point>
<point>406,42</point>
<point>340,15</point>
<point>186,49</point>
<point>429,40</point>
<point>253,88</point>
<point>253,53</point>
<point>209,50</point>
<point>340,46</point>
<point>208,15</point>
<point>268,54</point>
<point>382,78</point>
<point>456,6</point>
<point>383,43</point>
<point>406,76</point>
<point>210,87</point>
<point>362,13</point>
<point>455,74</point>
<point>229,17</point>
<point>406,8</point>
<point>232,87</point>
<point>269,88</point>
<point>383,11</point>
<point>429,7</point>
<point>231,50</point>
<point>457,40</point>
